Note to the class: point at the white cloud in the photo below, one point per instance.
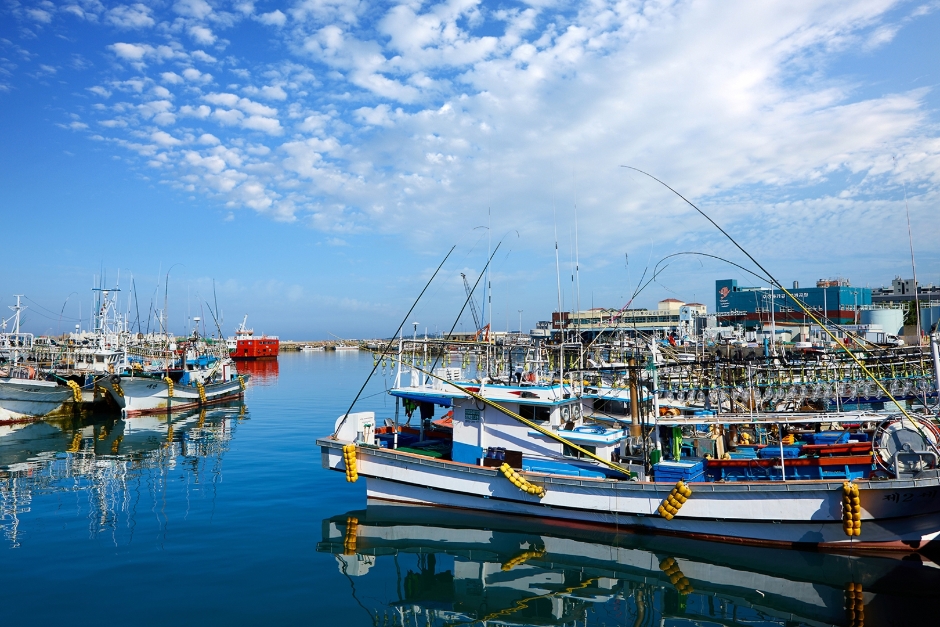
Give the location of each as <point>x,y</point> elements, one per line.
<point>193,75</point>
<point>260,123</point>
<point>130,16</point>
<point>202,35</point>
<point>202,111</point>
<point>75,10</point>
<point>39,15</point>
<point>248,106</point>
<point>100,91</point>
<point>268,92</point>
<point>198,9</point>
<point>388,117</point>
<point>274,18</point>
<point>164,139</point>
<point>202,56</point>
<point>228,117</point>
<point>131,52</point>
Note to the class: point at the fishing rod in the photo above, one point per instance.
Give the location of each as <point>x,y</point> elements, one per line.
<point>798,302</point>
<point>389,345</point>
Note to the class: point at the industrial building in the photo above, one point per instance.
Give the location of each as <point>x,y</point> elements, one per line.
<point>754,308</point>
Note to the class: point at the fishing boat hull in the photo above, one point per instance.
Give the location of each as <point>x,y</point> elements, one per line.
<point>144,395</point>
<point>896,514</point>
<point>24,399</point>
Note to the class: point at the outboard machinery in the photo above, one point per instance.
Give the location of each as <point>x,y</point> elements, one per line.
<point>907,447</point>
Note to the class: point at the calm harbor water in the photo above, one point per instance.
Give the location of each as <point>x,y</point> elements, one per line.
<point>226,517</point>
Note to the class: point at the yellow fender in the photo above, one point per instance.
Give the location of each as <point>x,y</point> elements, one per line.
<point>202,391</point>
<point>349,458</point>
<point>851,510</point>
<point>169,384</point>
<point>241,382</point>
<point>674,502</point>
<point>520,482</point>
<point>76,392</point>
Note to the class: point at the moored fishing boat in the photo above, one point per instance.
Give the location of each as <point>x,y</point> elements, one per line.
<point>139,393</point>
<point>23,396</point>
<point>24,399</point>
<point>540,449</point>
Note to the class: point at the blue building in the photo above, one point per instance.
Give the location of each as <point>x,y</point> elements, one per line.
<point>754,306</point>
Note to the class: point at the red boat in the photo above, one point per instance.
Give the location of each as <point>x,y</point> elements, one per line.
<point>245,346</point>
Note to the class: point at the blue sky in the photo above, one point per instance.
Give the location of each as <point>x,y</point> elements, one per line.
<point>316,159</point>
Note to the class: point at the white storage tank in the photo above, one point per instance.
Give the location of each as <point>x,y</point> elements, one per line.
<point>891,320</point>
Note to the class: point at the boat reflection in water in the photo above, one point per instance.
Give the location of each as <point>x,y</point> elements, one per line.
<point>448,567</point>
<point>263,371</point>
<point>103,456</point>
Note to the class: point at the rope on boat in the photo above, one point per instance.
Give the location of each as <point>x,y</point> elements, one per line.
<point>851,510</point>
<point>674,502</point>
<point>349,458</point>
<point>520,482</point>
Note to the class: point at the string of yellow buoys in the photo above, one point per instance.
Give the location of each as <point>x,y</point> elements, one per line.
<point>851,510</point>
<point>674,502</point>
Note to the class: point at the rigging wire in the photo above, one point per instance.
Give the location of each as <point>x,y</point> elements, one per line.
<point>798,302</point>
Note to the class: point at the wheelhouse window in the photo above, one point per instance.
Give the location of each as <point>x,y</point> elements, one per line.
<point>535,413</point>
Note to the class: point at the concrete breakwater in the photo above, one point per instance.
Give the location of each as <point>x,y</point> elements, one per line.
<point>329,345</point>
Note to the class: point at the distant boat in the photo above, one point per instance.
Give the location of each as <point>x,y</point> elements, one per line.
<point>345,347</point>
<point>246,346</point>
<point>307,348</point>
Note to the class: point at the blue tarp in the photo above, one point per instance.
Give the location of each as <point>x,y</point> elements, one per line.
<point>424,398</point>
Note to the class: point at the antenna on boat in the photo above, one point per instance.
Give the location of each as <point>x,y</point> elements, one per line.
<point>557,264</point>
<point>391,341</point>
<point>910,239</point>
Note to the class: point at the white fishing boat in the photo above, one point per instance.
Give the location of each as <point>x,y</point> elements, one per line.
<point>23,399</point>
<point>139,394</point>
<point>345,347</point>
<point>22,395</point>
<point>558,462</point>
<point>206,378</point>
<point>308,348</point>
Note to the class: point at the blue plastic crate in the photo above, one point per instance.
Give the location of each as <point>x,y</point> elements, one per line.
<point>691,470</point>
